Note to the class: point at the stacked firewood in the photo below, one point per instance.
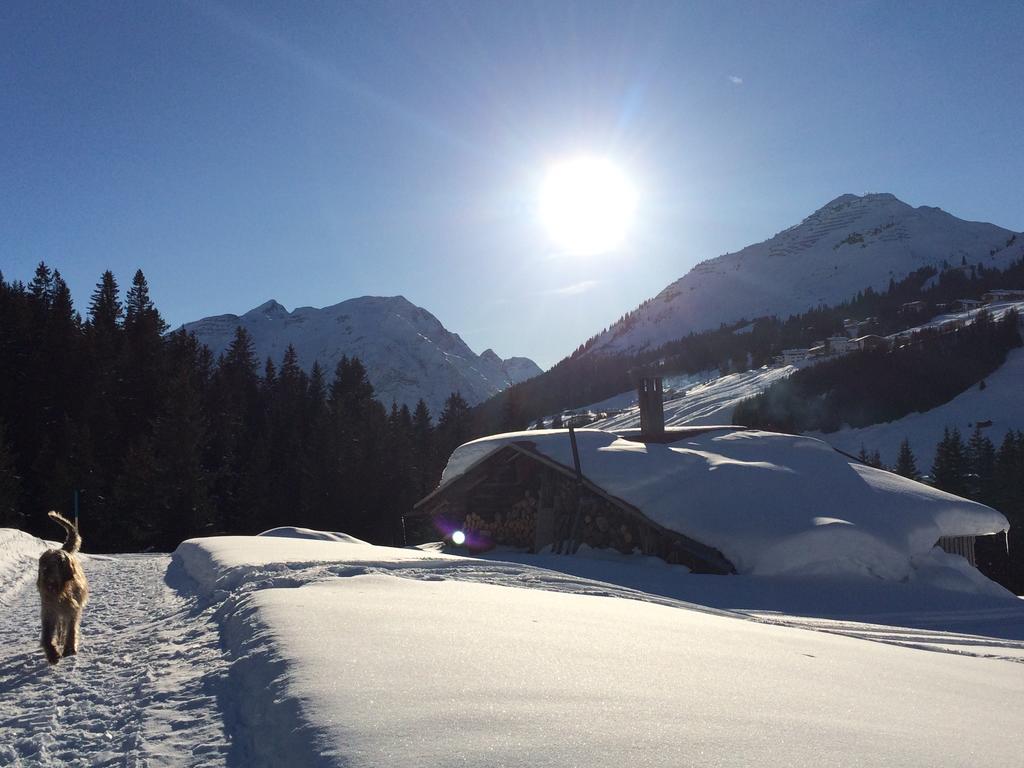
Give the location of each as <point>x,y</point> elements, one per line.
<point>512,528</point>
<point>603,530</point>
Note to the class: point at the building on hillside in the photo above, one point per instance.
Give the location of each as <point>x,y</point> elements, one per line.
<point>1003,295</point>
<point>913,307</point>
<point>818,349</point>
<point>790,356</point>
<point>965,305</point>
<point>870,343</point>
<point>838,345</point>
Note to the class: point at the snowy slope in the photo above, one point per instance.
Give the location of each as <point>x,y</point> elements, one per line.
<point>1001,402</point>
<point>842,248</point>
<point>698,400</point>
<point>18,554</point>
<point>365,660</point>
<point>694,401</point>
<point>408,354</point>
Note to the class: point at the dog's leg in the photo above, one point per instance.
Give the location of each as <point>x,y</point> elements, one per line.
<point>71,641</point>
<point>50,635</point>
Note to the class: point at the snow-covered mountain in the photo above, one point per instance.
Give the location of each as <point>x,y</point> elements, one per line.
<point>408,354</point>
<point>842,248</point>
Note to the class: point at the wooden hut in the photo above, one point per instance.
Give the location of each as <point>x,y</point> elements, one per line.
<point>517,496</point>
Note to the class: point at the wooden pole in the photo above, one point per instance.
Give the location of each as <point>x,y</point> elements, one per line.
<point>571,549</point>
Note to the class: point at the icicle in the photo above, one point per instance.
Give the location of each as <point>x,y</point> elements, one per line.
<point>1006,538</point>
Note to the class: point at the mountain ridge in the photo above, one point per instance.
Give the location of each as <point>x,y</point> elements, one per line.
<point>850,243</point>
<point>407,351</point>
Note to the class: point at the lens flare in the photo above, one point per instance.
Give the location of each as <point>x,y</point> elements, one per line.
<point>458,538</point>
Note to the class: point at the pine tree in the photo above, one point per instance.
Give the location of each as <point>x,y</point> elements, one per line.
<point>135,493</point>
<point>105,311</point>
<point>139,370</point>
<point>141,315</point>
<point>235,421</point>
<point>906,464</point>
<point>10,485</point>
<point>424,456</point>
<point>512,411</point>
<point>181,483</point>
<point>359,423</point>
<point>41,288</point>
<point>980,457</point>
<point>454,427</point>
<point>398,493</point>
<point>949,470</point>
<point>876,459</point>
<point>319,454</point>
<point>317,392</point>
<point>269,376</point>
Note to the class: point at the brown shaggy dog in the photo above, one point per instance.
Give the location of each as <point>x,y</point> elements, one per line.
<point>63,592</point>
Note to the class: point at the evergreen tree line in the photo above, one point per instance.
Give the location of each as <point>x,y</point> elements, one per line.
<point>976,469</point>
<point>588,376</point>
<point>163,442</point>
<point>869,387</point>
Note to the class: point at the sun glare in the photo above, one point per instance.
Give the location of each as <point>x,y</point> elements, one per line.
<point>587,205</point>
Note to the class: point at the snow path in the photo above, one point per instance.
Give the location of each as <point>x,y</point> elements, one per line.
<point>143,689</point>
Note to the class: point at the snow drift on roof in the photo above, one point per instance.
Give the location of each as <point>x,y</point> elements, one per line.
<point>769,502</point>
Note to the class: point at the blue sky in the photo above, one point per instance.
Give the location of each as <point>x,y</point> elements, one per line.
<point>312,152</point>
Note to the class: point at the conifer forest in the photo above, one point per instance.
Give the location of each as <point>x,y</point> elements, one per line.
<point>161,442</point>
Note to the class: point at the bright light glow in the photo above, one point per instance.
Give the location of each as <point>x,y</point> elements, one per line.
<point>587,205</point>
<point>458,538</point>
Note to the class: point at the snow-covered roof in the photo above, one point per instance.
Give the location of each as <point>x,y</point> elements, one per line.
<point>769,502</point>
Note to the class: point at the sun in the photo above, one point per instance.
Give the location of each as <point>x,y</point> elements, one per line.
<point>587,205</point>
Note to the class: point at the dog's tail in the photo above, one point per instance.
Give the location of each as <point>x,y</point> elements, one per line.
<point>73,542</point>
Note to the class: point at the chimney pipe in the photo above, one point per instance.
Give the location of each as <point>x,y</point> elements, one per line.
<point>652,407</point>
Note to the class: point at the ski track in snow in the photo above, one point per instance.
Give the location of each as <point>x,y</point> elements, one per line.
<point>142,690</point>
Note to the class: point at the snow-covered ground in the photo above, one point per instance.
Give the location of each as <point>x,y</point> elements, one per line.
<point>335,652</point>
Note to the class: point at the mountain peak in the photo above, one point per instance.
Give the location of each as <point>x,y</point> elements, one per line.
<point>868,199</point>
<point>271,308</point>
<point>850,244</point>
<point>408,354</point>
<point>490,354</point>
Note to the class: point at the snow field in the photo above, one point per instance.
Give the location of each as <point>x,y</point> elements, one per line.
<point>307,648</point>
<point>556,679</point>
<point>380,656</point>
